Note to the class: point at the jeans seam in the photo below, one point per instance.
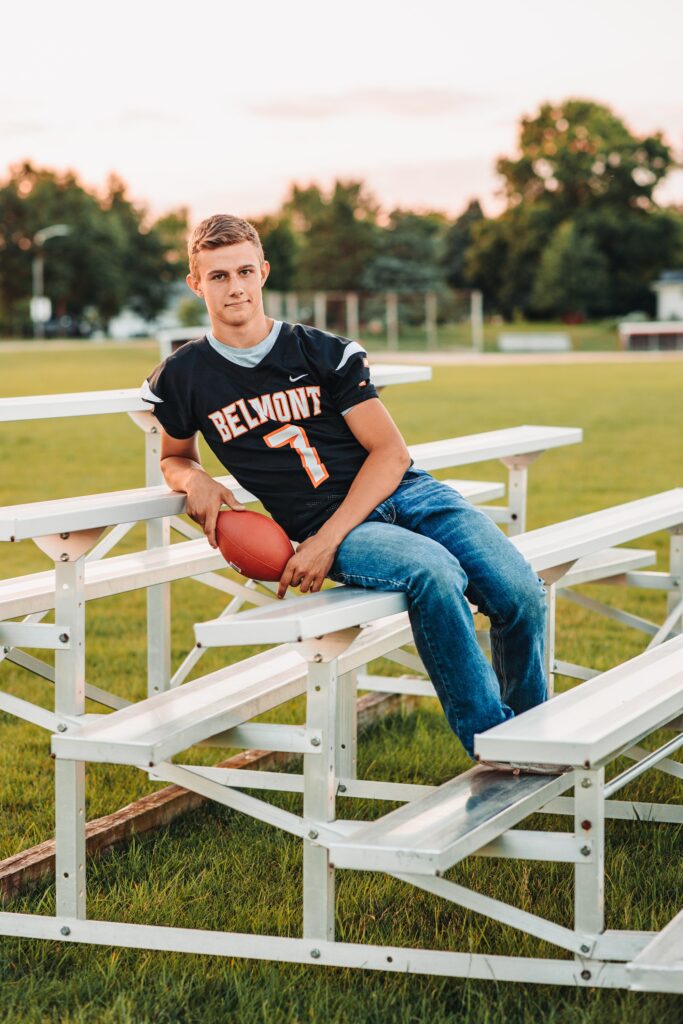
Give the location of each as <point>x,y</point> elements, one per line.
<point>500,659</point>
<point>390,519</point>
<point>353,577</point>
<point>437,662</point>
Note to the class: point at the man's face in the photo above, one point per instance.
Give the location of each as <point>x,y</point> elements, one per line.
<point>230,282</point>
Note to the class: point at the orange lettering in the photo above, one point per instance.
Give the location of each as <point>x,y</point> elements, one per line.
<point>233,420</point>
<point>299,403</point>
<point>263,407</point>
<point>314,394</point>
<point>218,420</point>
<point>251,422</point>
<point>282,410</point>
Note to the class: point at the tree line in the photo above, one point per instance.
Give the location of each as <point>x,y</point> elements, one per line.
<point>114,257</point>
<point>580,234</point>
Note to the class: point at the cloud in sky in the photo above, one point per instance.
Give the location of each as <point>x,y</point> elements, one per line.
<point>11,128</point>
<point>435,184</point>
<point>393,102</point>
<point>133,116</point>
<point>418,101</point>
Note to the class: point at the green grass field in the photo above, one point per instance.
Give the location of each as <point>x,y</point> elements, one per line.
<point>218,870</point>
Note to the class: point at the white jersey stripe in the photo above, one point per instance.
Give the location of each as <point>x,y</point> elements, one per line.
<point>349,351</point>
<point>147,395</point>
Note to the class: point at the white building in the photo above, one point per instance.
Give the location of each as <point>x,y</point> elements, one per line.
<point>669,290</point>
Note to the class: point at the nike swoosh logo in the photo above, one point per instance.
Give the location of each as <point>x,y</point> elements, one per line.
<point>299,377</point>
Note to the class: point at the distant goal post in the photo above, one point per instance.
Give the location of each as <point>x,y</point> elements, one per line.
<point>450,319</point>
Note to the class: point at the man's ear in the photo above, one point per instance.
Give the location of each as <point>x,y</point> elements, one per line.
<point>194,285</point>
<point>265,270</point>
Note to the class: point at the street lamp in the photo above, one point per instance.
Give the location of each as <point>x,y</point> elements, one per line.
<point>41,308</point>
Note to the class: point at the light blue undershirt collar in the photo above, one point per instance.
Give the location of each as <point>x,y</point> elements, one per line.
<point>248,357</point>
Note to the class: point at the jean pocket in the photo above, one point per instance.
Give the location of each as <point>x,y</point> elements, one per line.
<point>386,511</point>
<point>411,475</point>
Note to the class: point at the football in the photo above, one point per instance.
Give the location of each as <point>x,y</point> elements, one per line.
<point>253,544</point>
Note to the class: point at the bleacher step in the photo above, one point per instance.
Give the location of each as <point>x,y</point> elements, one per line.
<point>161,726</point>
<point>602,565</point>
<point>156,729</point>
<point>429,835</point>
<point>660,963</point>
<point>589,724</point>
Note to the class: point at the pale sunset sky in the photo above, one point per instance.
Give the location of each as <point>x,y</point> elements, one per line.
<point>219,106</point>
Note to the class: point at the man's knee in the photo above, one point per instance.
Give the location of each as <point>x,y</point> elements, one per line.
<point>532,601</point>
<point>440,570</point>
<point>519,600</point>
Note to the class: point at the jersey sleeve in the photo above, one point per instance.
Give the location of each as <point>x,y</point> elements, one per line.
<point>169,402</point>
<point>346,372</point>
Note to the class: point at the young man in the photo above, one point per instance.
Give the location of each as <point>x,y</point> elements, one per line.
<point>292,413</point>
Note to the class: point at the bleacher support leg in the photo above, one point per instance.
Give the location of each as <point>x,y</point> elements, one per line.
<point>70,775</point>
<point>517,466</point>
<point>589,875</point>
<point>676,569</point>
<point>320,786</point>
<point>159,596</point>
<point>347,730</point>
<point>551,604</point>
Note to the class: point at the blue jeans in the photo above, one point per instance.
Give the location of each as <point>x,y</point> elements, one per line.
<point>430,543</point>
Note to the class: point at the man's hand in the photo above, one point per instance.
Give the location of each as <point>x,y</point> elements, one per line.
<point>308,566</point>
<point>204,499</point>
<point>183,472</point>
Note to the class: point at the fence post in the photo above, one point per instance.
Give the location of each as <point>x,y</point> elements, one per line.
<point>352,315</point>
<point>320,310</point>
<point>430,319</point>
<point>292,307</point>
<point>477,320</point>
<point>273,304</point>
<point>392,320</point>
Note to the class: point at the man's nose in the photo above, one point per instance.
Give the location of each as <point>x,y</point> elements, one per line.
<point>236,286</point>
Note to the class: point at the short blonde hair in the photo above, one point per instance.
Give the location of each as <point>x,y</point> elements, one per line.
<point>219,230</point>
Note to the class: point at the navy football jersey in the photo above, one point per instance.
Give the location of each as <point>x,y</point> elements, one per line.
<point>277,426</point>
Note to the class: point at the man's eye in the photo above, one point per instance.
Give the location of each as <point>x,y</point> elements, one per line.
<point>246,270</point>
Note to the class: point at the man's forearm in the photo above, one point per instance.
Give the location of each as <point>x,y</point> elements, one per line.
<point>378,477</point>
<point>178,472</point>
<point>205,496</point>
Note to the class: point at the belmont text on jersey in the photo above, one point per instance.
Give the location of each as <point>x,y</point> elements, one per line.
<point>244,414</point>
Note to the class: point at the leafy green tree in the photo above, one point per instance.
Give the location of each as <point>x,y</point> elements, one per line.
<point>577,162</point>
<point>504,255</point>
<point>77,271</point>
<point>149,255</point>
<point>110,259</point>
<point>281,249</point>
<point>457,242</point>
<point>572,279</point>
<point>637,246</point>
<point>337,235</point>
<point>579,153</point>
<point>409,253</point>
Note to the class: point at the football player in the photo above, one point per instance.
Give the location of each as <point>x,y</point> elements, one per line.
<point>292,413</point>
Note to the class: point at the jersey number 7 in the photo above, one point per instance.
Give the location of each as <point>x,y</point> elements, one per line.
<point>296,438</point>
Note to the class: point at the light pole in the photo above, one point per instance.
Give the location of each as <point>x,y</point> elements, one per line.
<point>40,305</point>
